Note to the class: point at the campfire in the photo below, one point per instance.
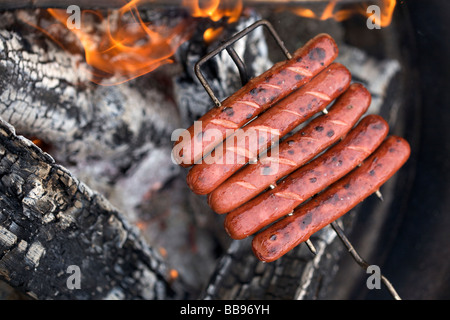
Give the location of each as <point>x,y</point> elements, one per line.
<point>92,96</point>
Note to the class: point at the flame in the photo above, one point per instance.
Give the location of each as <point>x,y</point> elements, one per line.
<point>129,47</point>
<point>387,12</point>
<point>122,46</point>
<point>215,10</point>
<point>211,34</point>
<point>387,8</point>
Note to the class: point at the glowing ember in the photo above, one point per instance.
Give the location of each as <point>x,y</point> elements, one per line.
<point>173,274</point>
<point>215,9</point>
<point>163,252</point>
<point>44,146</point>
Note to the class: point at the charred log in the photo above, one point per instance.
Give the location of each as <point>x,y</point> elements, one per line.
<point>50,220</point>
<point>298,275</point>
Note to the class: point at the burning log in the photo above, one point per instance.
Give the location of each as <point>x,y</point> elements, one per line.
<point>51,221</point>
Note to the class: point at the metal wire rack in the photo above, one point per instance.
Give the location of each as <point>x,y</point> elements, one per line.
<point>228,46</point>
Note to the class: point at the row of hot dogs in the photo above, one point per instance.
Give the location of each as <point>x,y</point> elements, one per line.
<point>316,174</point>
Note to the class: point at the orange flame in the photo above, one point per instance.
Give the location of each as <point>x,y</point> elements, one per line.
<point>387,8</point>
<point>211,34</point>
<point>215,10</point>
<point>129,49</point>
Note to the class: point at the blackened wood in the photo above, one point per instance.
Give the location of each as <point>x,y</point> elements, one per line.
<point>50,221</point>
<point>299,274</point>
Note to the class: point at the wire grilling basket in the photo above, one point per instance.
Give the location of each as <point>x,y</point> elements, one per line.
<point>244,76</point>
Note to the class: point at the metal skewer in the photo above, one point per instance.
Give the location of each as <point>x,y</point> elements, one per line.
<point>379,195</point>
<point>311,247</point>
<point>360,261</point>
<point>228,45</point>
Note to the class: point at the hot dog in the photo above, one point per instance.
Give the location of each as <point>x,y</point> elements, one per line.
<point>255,97</point>
<point>294,151</point>
<point>281,237</point>
<point>273,124</point>
<point>308,180</point>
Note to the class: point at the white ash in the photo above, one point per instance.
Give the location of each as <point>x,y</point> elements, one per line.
<point>376,75</point>
<point>7,238</point>
<point>35,253</point>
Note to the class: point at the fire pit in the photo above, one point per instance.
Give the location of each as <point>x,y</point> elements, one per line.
<point>102,195</point>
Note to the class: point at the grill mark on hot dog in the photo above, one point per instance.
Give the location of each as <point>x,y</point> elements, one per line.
<point>319,95</point>
<point>246,185</point>
<point>268,160</point>
<point>300,71</point>
<point>250,104</point>
<point>286,161</point>
<point>289,195</point>
<point>266,129</point>
<point>359,148</point>
<point>225,123</point>
<point>292,112</point>
<point>268,85</point>
<point>339,122</point>
<point>341,197</point>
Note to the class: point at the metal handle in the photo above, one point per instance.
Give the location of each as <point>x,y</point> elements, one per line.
<point>227,45</point>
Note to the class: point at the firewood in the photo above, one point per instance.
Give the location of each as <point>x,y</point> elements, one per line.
<point>51,221</point>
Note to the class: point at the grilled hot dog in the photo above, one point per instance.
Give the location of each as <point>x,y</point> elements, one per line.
<point>284,235</point>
